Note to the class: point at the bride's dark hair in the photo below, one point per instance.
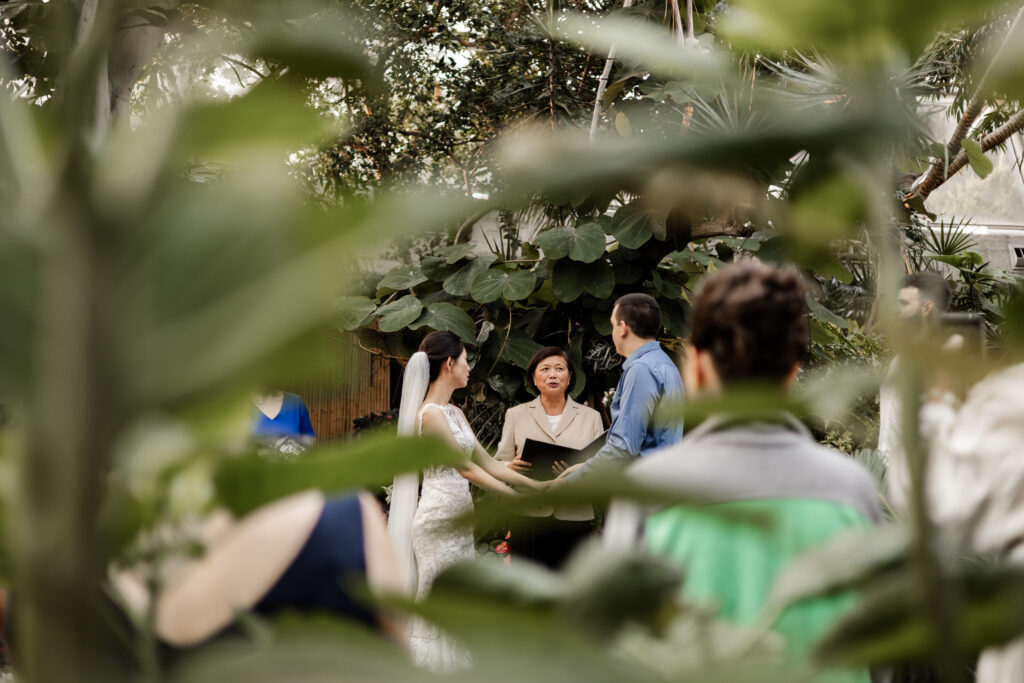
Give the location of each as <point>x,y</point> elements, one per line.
<point>440,345</point>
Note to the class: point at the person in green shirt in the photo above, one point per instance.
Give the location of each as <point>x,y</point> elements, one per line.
<point>749,325</point>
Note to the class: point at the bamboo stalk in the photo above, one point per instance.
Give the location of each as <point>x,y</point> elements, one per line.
<point>602,84</point>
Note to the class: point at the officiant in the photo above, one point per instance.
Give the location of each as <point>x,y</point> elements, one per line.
<point>549,536</point>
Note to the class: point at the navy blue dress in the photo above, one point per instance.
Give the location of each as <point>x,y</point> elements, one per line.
<point>330,563</point>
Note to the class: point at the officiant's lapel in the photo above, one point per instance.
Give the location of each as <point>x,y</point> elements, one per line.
<point>572,409</point>
<point>541,418</point>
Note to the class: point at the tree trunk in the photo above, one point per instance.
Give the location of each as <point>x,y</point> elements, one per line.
<point>939,172</point>
<point>131,53</point>
<point>990,141</point>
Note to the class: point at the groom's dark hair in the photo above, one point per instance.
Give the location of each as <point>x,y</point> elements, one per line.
<point>440,345</point>
<point>641,312</point>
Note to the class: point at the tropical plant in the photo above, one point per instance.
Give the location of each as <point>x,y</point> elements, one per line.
<point>141,304</point>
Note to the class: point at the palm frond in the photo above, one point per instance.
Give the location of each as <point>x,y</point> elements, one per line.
<point>949,239</point>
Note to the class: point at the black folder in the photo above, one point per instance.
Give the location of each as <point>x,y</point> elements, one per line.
<point>543,455</point>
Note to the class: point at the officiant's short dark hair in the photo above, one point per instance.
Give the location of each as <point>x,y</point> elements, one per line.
<point>440,345</point>
<point>641,312</point>
<point>544,354</point>
<point>752,319</point>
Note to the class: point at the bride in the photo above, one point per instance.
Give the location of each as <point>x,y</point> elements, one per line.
<point>425,533</point>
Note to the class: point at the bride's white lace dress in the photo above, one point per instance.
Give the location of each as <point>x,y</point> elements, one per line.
<point>438,542</point>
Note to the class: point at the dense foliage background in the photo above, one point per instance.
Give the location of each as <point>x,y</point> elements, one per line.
<point>193,190</point>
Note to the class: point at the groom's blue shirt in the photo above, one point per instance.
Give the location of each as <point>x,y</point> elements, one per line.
<point>648,377</point>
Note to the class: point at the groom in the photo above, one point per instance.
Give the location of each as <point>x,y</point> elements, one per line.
<point>648,376</point>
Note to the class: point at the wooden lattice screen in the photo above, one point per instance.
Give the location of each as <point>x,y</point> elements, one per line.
<point>358,384</point>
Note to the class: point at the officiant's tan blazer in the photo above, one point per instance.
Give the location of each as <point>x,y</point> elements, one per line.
<point>578,427</point>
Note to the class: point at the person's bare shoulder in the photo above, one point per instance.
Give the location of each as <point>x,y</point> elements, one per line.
<point>434,420</point>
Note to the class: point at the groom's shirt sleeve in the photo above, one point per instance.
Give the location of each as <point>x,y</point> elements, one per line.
<point>636,398</point>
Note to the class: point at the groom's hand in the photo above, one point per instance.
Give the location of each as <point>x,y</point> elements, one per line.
<point>567,471</point>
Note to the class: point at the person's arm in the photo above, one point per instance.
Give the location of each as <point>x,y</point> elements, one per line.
<point>506,452</point>
<point>500,471</point>
<point>434,422</point>
<point>639,392</point>
<point>480,477</point>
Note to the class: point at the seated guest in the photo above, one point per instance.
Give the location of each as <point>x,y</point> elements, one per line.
<point>553,417</point>
<point>297,554</point>
<point>281,424</point>
<point>749,325</point>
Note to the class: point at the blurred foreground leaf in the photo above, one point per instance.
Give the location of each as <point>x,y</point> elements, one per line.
<point>245,483</point>
<point>842,563</point>
<point>309,649</point>
<point>645,44</point>
<point>603,485</point>
<point>890,622</point>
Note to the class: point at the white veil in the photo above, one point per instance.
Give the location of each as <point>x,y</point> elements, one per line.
<point>406,489</point>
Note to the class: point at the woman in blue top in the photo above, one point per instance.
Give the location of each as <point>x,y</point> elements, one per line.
<point>282,423</point>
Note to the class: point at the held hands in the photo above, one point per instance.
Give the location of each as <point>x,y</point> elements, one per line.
<point>561,479</point>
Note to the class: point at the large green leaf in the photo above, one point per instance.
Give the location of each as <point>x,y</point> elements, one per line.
<point>965,259</point>
<point>635,223</point>
<point>455,253</point>
<point>588,243</point>
<point>891,622</point>
<point>497,283</point>
<point>270,118</point>
<point>446,316</point>
<point>600,279</point>
<point>856,31</point>
<point>460,283</point>
<point>353,311</point>
<point>437,268</point>
<point>398,314</point>
<point>402,277</point>
<point>516,347</point>
<point>825,315</point>
<point>980,163</point>
<point>675,317</point>
<point>296,648</point>
<point>842,563</point>
<point>555,241</point>
<point>643,43</point>
<point>585,242</point>
<point>568,279</point>
<point>245,483</point>
<point>314,48</point>
<point>571,278</point>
